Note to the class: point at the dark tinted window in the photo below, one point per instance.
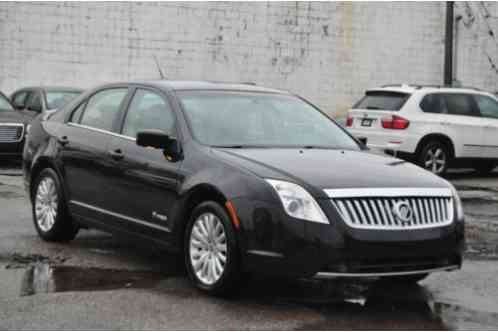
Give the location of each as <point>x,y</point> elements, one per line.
<point>103,107</point>
<point>460,104</point>
<point>487,106</point>
<point>148,110</point>
<point>35,102</point>
<point>382,100</point>
<point>434,103</point>
<point>20,99</point>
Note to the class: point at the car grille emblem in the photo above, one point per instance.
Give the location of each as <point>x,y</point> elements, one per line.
<point>403,212</point>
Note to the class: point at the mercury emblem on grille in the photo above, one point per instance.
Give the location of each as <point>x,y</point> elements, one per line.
<point>403,212</point>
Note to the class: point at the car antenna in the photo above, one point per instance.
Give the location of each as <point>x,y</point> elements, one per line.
<point>161,74</point>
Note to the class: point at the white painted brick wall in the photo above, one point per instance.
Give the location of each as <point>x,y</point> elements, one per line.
<point>327,52</point>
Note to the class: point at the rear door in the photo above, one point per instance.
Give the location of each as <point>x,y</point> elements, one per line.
<point>488,108</point>
<point>463,120</point>
<point>84,142</point>
<point>144,183</point>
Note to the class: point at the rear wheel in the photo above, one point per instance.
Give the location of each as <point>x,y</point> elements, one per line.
<point>484,167</point>
<point>52,222</point>
<point>407,279</point>
<point>434,157</point>
<point>211,253</point>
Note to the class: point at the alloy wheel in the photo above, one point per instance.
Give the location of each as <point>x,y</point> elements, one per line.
<point>435,160</point>
<point>208,248</point>
<point>46,202</point>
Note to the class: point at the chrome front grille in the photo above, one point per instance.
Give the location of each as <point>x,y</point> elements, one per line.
<point>11,133</point>
<point>379,208</point>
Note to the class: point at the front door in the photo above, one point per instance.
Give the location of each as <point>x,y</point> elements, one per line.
<point>144,186</point>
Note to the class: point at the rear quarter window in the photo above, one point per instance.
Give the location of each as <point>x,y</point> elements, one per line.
<point>382,101</point>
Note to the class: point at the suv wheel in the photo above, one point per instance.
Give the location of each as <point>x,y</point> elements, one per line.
<point>211,253</point>
<point>434,157</point>
<point>52,222</point>
<point>484,167</point>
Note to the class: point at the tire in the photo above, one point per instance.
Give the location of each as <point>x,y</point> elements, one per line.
<point>408,279</point>
<point>223,278</point>
<point>435,157</point>
<point>54,224</point>
<point>484,167</point>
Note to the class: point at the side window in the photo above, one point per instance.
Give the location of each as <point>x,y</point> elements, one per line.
<point>76,116</point>
<point>487,106</point>
<point>434,103</point>
<point>19,100</point>
<point>102,108</point>
<point>460,104</point>
<point>148,110</point>
<point>35,102</point>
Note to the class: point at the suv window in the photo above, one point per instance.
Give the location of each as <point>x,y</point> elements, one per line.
<point>103,107</point>
<point>487,106</point>
<point>382,100</point>
<point>460,104</point>
<point>35,102</point>
<point>148,110</point>
<point>19,100</point>
<point>434,103</point>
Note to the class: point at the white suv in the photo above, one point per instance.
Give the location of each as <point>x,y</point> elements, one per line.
<point>436,127</point>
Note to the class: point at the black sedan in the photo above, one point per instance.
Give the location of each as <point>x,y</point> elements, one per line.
<point>241,180</point>
<point>13,125</point>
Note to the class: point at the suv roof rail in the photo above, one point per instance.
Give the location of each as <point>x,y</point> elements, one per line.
<point>232,82</point>
<point>420,86</point>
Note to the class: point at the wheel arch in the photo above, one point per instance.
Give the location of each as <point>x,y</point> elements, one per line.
<point>436,137</point>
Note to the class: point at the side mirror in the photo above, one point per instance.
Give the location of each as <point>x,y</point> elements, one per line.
<point>35,108</point>
<point>159,140</point>
<point>18,106</point>
<point>363,140</point>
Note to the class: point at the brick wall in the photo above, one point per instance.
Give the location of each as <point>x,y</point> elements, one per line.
<point>327,52</point>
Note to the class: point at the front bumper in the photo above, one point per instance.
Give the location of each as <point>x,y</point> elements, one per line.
<point>273,243</point>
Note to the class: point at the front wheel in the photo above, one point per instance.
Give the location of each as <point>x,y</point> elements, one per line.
<point>434,157</point>
<point>52,222</point>
<point>211,251</point>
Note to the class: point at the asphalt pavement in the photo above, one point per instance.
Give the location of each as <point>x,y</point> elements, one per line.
<point>99,281</point>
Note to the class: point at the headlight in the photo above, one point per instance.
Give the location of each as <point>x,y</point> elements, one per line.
<point>297,202</point>
<point>458,204</point>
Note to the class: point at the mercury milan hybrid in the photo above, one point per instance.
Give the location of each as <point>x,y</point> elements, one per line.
<point>240,179</point>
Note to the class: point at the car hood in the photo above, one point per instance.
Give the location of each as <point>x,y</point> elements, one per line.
<point>332,169</point>
<point>12,116</point>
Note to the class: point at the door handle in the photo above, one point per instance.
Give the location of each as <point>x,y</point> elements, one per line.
<point>116,154</point>
<point>63,140</point>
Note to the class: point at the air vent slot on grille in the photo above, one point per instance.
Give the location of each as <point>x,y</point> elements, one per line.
<point>11,133</point>
<point>397,209</point>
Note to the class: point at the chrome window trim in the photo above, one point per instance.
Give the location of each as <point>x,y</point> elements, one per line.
<point>121,216</point>
<point>388,192</point>
<point>13,124</point>
<point>102,131</point>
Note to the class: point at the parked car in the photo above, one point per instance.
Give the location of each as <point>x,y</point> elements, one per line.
<point>435,127</point>
<point>32,101</point>
<point>12,128</point>
<point>239,179</point>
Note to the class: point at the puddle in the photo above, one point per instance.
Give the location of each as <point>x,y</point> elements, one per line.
<point>44,278</point>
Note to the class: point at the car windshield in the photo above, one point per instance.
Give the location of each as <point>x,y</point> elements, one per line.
<point>4,104</point>
<point>246,119</point>
<point>57,99</point>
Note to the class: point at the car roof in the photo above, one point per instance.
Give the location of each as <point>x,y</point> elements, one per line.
<point>52,88</point>
<point>207,85</point>
<point>410,89</point>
